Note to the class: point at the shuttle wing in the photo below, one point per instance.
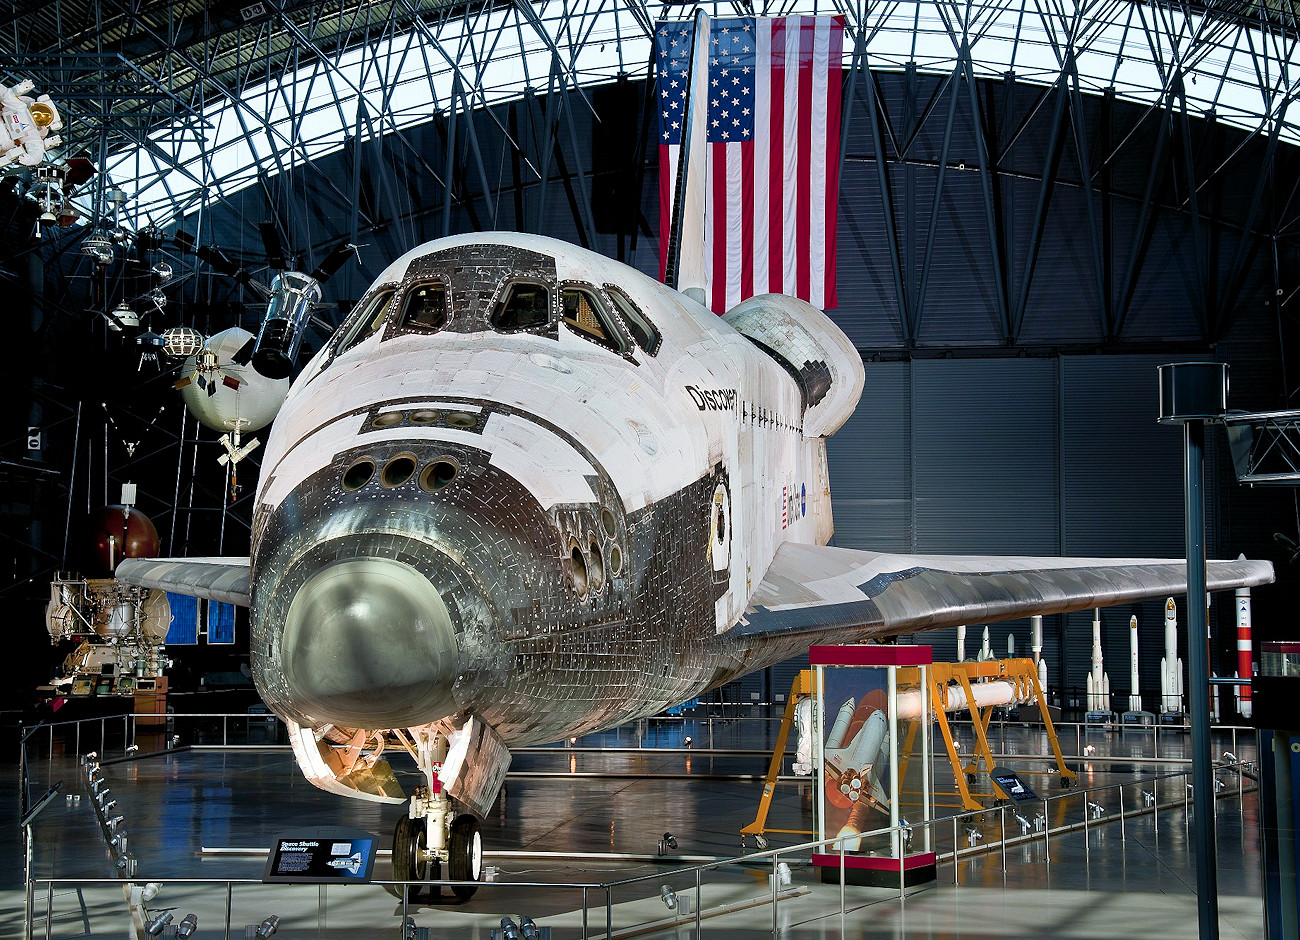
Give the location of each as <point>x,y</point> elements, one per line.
<point>839,594</point>
<point>216,579</point>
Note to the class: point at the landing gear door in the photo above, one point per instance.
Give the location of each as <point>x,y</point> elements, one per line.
<point>476,765</point>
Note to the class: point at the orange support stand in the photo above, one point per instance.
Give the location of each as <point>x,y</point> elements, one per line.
<point>801,688</point>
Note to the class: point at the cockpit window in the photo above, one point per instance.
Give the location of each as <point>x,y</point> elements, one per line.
<point>425,307</point>
<point>523,307</point>
<point>584,315</point>
<point>643,331</point>
<point>368,321</point>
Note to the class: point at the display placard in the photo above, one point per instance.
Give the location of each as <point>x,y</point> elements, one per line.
<point>325,855</point>
<point>1011,784</point>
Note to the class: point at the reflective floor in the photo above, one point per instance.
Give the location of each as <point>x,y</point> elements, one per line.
<point>595,814</point>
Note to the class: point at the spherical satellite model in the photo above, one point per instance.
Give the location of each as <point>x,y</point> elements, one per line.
<point>223,390</point>
<point>181,342</point>
<point>118,532</point>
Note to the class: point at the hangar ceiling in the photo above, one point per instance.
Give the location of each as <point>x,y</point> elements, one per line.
<point>188,102</point>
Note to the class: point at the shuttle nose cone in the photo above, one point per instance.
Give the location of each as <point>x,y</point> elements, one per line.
<point>368,643</point>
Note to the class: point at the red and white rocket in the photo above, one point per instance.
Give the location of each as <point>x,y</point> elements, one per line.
<point>1244,668</point>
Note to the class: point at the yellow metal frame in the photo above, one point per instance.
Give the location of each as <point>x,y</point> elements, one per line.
<point>801,688</point>
<point>1023,673</point>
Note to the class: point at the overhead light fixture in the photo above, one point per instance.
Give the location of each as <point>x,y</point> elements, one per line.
<point>158,924</point>
<point>123,317</point>
<point>98,248</point>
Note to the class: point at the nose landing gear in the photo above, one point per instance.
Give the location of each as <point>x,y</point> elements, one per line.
<point>432,837</point>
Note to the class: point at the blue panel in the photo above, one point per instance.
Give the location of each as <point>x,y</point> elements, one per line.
<point>221,622</point>
<point>184,627</point>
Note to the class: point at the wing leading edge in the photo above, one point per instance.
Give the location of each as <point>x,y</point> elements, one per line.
<point>841,594</point>
<point>215,579</point>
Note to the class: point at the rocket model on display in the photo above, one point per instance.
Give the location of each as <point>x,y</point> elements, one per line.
<point>1245,669</point>
<point>526,492</point>
<point>961,643</point>
<point>1135,691</point>
<point>1098,681</point>
<point>1036,648</point>
<point>1171,667</point>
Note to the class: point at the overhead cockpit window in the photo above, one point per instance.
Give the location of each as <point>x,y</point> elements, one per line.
<point>368,321</point>
<point>524,306</point>
<point>643,331</point>
<point>584,315</point>
<point>425,307</point>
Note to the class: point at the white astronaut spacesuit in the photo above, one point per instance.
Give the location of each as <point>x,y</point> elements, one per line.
<point>27,124</point>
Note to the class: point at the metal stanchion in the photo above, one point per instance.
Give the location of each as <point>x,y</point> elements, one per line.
<point>698,902</point>
<point>776,881</point>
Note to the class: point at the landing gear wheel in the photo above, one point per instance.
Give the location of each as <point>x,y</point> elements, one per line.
<point>409,861</point>
<point>465,849</point>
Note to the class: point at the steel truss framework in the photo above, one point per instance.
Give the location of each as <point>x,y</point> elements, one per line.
<point>190,105</point>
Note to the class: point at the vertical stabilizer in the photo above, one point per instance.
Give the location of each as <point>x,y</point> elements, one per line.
<point>685,269</point>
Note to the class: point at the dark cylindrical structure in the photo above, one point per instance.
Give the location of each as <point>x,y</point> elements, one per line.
<point>1198,658</point>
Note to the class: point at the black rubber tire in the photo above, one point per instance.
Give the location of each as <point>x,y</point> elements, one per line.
<point>465,851</point>
<point>408,842</point>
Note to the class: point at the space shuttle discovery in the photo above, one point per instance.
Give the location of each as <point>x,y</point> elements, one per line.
<point>526,492</point>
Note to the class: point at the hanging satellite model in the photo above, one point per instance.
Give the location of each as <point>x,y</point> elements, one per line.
<point>291,298</point>
<point>218,383</point>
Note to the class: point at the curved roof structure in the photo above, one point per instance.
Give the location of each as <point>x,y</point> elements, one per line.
<point>192,104</point>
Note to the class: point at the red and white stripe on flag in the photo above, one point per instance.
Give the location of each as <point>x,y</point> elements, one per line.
<point>772,157</point>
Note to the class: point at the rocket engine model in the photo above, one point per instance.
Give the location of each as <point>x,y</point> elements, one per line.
<point>119,630</point>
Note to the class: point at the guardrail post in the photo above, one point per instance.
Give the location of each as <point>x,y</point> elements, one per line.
<point>954,850</point>
<point>230,890</point>
<point>698,901</point>
<point>841,878</point>
<point>776,882</point>
<point>585,905</point>
<point>1047,829</point>
<point>1003,820</point>
<point>1123,835</point>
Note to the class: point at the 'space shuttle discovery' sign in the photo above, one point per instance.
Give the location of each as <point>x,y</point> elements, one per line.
<point>325,855</point>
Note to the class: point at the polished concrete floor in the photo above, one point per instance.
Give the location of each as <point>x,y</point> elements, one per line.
<point>594,814</point>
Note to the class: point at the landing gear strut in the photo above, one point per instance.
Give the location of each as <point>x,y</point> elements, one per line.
<point>432,834</point>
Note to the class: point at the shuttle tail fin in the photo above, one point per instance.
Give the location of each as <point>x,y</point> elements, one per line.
<point>685,268</point>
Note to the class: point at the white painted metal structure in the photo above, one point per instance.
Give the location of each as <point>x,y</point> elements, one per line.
<point>1243,70</point>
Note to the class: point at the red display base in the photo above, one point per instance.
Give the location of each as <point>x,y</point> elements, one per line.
<point>876,872</point>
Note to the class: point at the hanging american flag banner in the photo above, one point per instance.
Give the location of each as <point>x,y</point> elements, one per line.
<point>771,157</point>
